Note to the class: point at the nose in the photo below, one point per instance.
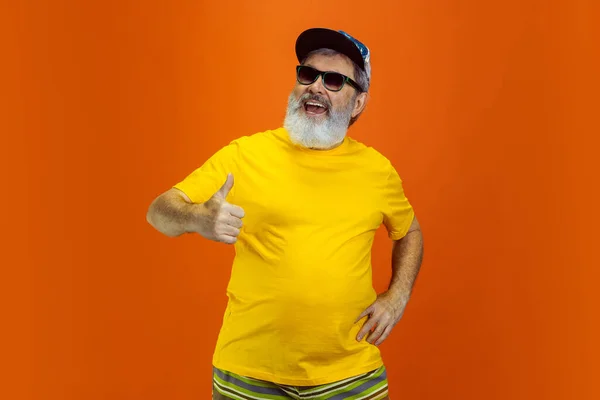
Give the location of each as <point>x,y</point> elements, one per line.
<point>317,86</point>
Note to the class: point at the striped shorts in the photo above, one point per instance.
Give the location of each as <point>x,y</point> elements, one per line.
<point>368,386</point>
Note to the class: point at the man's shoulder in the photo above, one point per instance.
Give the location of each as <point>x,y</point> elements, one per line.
<point>255,139</point>
<point>375,156</point>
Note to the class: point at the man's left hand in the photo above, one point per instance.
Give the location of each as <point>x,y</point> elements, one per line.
<point>383,314</point>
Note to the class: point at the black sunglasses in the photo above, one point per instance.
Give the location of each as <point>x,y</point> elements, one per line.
<point>333,81</point>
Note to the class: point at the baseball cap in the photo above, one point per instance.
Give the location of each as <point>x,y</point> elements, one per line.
<point>340,41</point>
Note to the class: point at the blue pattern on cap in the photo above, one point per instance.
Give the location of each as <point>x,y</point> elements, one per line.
<point>364,51</point>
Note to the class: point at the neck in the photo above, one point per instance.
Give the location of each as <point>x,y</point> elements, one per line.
<point>327,148</point>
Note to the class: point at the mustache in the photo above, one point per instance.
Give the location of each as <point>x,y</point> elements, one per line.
<point>315,97</point>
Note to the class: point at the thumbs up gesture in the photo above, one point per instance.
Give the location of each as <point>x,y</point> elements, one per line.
<point>222,220</point>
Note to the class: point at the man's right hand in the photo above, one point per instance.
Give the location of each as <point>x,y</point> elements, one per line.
<point>221,221</point>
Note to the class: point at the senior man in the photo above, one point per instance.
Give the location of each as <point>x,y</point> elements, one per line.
<point>303,319</point>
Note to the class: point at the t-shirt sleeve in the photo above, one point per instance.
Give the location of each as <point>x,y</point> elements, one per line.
<point>398,213</point>
<point>203,182</point>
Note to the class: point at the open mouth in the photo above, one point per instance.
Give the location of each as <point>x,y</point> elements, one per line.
<point>315,108</point>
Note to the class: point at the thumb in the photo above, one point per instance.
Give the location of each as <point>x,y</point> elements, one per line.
<point>226,188</point>
<point>367,311</point>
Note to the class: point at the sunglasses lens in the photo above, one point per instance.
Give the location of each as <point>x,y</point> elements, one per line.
<point>333,81</point>
<point>306,75</point>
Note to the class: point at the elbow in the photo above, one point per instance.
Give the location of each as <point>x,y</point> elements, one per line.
<point>156,220</point>
<point>151,215</point>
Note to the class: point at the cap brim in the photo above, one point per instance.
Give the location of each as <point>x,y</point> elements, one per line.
<point>318,38</point>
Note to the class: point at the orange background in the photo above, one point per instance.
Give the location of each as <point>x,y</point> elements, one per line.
<point>488,109</point>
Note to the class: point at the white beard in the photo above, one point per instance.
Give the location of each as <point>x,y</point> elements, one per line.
<point>307,132</point>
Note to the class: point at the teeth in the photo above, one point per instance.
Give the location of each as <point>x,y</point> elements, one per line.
<point>310,103</point>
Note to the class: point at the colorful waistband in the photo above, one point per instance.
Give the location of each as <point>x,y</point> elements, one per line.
<point>372,385</point>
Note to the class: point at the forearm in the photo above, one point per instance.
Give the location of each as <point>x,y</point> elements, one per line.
<point>172,215</point>
<point>407,255</point>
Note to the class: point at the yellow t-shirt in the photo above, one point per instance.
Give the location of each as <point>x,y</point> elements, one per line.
<point>302,269</point>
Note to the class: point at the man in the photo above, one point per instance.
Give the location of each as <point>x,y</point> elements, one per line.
<point>303,319</point>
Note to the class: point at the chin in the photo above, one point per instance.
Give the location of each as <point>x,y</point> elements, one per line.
<point>313,133</point>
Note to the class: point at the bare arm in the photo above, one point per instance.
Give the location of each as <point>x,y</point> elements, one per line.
<point>388,308</point>
<point>173,214</point>
<point>407,256</point>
